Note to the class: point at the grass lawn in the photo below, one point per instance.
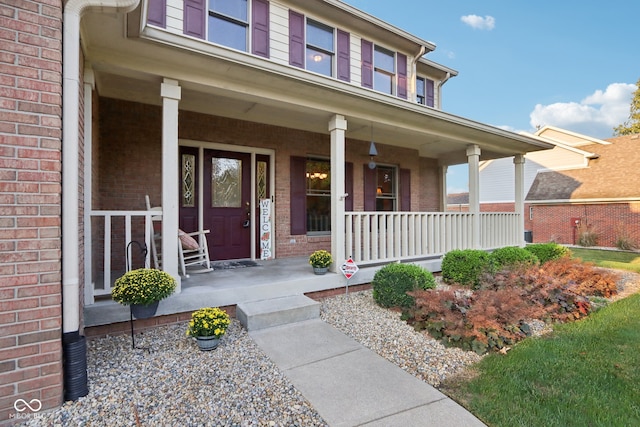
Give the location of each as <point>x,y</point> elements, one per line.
<point>609,259</point>
<point>584,373</point>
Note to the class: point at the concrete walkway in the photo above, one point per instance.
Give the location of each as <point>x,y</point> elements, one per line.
<point>350,385</point>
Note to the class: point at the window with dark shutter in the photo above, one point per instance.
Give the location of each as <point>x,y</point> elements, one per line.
<point>384,70</point>
<point>344,56</point>
<point>194,18</point>
<point>310,192</point>
<point>405,190</point>
<point>320,48</point>
<point>228,23</point>
<point>367,63</point>
<point>348,186</point>
<point>402,75</point>
<point>318,189</point>
<point>298,196</point>
<point>386,189</point>
<point>260,28</point>
<point>430,93</point>
<point>425,91</point>
<point>157,13</point>
<point>296,39</point>
<point>370,181</point>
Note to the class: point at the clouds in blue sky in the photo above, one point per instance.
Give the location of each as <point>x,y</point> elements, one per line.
<point>596,114</point>
<point>478,22</point>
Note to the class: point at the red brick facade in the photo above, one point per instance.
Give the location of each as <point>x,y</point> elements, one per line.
<point>609,222</point>
<point>129,162</point>
<point>30,204</point>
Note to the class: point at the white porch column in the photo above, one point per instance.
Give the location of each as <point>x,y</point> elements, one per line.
<point>337,128</point>
<point>171,94</point>
<point>473,158</point>
<point>518,162</point>
<point>443,188</point>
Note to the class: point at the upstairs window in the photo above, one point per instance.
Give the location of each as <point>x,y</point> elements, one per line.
<point>232,23</point>
<point>320,48</point>
<point>424,91</point>
<point>384,70</point>
<point>229,23</point>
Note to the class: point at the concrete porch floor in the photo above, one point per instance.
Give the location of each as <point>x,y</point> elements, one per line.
<point>270,279</point>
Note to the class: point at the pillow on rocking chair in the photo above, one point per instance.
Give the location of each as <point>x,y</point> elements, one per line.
<point>188,243</point>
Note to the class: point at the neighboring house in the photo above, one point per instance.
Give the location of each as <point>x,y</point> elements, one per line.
<point>458,202</point>
<point>254,119</point>
<point>601,199</point>
<point>496,176</point>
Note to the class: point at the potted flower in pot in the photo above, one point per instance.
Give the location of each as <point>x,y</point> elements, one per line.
<point>207,326</point>
<point>143,289</point>
<point>320,261</point>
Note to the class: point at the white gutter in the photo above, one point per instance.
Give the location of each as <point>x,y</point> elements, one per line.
<point>73,11</point>
<point>442,82</point>
<point>414,70</point>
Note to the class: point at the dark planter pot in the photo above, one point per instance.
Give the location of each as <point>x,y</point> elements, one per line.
<point>207,343</point>
<point>140,311</point>
<point>320,270</point>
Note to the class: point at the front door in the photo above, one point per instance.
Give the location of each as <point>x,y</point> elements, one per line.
<point>227,204</point>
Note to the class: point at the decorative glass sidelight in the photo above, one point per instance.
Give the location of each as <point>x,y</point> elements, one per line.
<point>188,180</point>
<point>261,174</point>
<point>226,183</point>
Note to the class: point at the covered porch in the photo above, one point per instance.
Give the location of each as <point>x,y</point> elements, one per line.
<point>187,93</point>
<point>372,240</point>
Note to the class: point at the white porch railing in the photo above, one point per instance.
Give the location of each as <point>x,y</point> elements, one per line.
<point>377,237</point>
<point>499,229</point>
<point>105,243</point>
<point>370,237</point>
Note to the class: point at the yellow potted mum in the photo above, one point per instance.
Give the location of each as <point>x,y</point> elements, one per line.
<point>207,326</point>
<point>320,261</point>
<point>143,289</point>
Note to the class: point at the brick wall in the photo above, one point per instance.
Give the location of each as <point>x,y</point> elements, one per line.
<point>609,222</point>
<point>30,204</point>
<point>130,162</point>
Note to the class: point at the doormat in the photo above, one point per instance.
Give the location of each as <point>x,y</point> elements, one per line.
<point>228,265</point>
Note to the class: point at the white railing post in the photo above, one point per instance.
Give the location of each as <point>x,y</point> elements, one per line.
<point>95,288</point>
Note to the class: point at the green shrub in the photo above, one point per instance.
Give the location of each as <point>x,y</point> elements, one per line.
<point>548,251</point>
<point>511,256</point>
<point>464,266</point>
<point>392,282</point>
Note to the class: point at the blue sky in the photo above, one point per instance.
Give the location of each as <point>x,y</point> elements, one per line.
<point>521,64</point>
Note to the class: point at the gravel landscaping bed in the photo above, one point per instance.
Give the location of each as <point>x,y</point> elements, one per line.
<point>171,382</point>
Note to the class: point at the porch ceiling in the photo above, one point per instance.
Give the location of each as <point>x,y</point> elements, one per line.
<point>227,83</point>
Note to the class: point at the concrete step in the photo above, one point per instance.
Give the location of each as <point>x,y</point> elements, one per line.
<point>254,315</point>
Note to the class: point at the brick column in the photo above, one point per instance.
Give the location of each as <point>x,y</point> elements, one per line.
<point>30,201</point>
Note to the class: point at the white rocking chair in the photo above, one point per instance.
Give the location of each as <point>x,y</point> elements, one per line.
<point>192,247</point>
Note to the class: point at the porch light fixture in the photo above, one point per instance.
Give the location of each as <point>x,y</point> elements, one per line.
<point>372,151</point>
